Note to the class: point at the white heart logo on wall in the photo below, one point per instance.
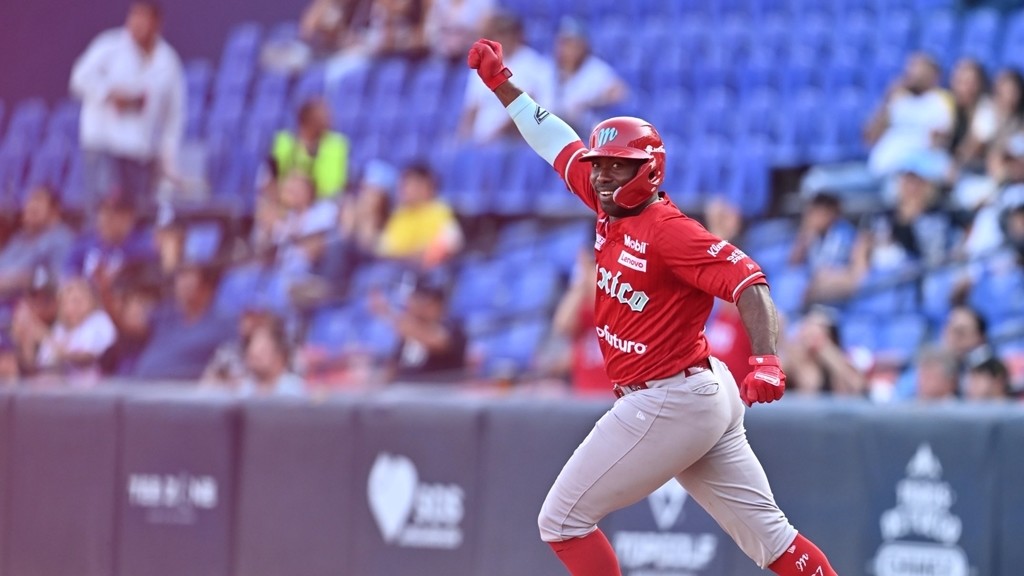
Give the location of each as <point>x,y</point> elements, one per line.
<point>665,553</point>
<point>920,533</point>
<point>411,513</point>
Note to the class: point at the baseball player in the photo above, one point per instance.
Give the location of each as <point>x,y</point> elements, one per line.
<point>680,412</point>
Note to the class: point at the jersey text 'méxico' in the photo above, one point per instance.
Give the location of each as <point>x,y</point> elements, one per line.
<point>657,276</point>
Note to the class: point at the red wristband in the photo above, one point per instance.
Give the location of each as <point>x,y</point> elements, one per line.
<point>498,79</point>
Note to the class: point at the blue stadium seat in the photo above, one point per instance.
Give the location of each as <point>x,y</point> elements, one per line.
<point>937,292</point>
<point>758,72</point>
<point>536,288</point>
<point>999,294</point>
<point>900,337</point>
<point>789,284</point>
<point>850,108</point>
<point>514,349</point>
<point>382,275</point>
<point>518,184</point>
<point>895,30</point>
<point>842,71</point>
<point>63,123</point>
<point>883,294</point>
<point>73,194</point>
<point>310,84</point>
<point>758,114</point>
<point>522,233</point>
<point>331,328</point>
<point>858,28</point>
<point>48,166</point>
<point>242,44</point>
<point>389,79</point>
<point>3,110</point>
<point>979,34</point>
<point>859,331</point>
<point>749,185</point>
<point>198,74</point>
<point>938,35</point>
<point>25,127</point>
<point>1012,50</point>
<point>478,289</point>
<point>13,162</point>
<point>562,246</point>
<point>271,90</point>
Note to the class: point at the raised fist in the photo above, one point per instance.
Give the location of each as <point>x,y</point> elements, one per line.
<point>485,56</point>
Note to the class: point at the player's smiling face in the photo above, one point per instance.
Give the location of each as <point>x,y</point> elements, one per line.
<point>607,175</point>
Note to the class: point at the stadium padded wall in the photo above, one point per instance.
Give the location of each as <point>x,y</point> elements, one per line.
<point>417,482</point>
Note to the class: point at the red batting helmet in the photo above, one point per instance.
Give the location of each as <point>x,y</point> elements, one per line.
<point>628,137</point>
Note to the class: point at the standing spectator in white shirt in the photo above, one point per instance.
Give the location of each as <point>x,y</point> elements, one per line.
<point>132,89</point>
<point>584,82</point>
<point>452,26</point>
<point>484,119</point>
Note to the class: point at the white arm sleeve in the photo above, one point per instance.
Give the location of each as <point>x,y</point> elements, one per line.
<point>546,133</point>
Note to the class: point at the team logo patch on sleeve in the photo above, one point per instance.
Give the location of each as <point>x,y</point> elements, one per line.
<point>540,114</point>
<point>630,261</point>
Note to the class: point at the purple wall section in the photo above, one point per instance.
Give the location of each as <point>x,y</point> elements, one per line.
<point>40,39</point>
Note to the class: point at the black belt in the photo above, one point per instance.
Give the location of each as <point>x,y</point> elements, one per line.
<point>621,390</point>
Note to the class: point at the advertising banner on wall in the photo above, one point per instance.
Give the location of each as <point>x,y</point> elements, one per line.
<point>419,465</point>
<point>668,534</point>
<point>1010,497</point>
<point>62,473</point>
<point>297,487</point>
<point>931,479</point>
<point>176,488</point>
<point>526,442</point>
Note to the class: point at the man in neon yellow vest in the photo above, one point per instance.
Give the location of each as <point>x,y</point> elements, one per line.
<point>314,150</point>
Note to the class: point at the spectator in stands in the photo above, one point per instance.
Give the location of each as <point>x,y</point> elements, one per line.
<point>452,26</point>
<point>132,88</point>
<point>34,314</point>
<point>987,380</point>
<point>974,123</point>
<point>169,239</point>
<point>227,368</point>
<point>917,114</point>
<point>914,120</point>
<point>362,221</point>
<point>432,345</point>
<point>825,239</point>
<point>82,333</point>
<point>135,306</point>
<point>43,241</point>
<point>936,376</point>
<point>916,232</point>
<point>574,322</point>
<point>584,82</point>
<point>964,342</point>
<point>268,364</point>
<point>990,135</point>
<point>422,229</point>
<point>394,28</point>
<point>301,233</point>
<point>115,246</point>
<point>187,331</point>
<point>484,119</point>
<point>324,25</point>
<point>814,359</point>
<point>314,151</point>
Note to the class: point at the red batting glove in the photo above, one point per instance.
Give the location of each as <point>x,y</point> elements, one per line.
<point>765,383</point>
<point>485,57</point>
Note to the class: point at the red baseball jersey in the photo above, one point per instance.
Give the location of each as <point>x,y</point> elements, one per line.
<point>658,273</point>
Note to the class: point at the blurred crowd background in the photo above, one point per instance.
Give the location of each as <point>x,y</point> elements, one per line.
<point>333,203</point>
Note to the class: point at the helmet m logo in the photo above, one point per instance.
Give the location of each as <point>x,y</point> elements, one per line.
<point>606,135</point>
